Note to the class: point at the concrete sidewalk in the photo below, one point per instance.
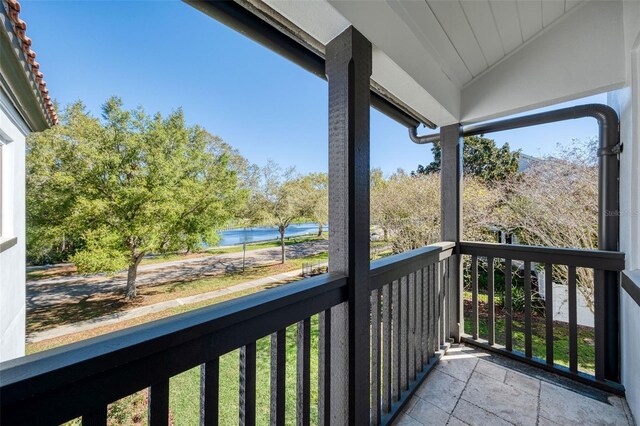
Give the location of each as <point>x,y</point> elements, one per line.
<point>156,307</point>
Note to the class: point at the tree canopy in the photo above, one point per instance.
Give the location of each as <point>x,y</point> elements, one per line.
<point>481,157</point>
<point>279,198</point>
<point>127,184</point>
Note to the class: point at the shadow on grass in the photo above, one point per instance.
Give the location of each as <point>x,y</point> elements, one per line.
<point>586,336</point>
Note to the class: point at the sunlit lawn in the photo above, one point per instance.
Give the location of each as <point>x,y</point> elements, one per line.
<point>586,350</point>
<point>94,306</point>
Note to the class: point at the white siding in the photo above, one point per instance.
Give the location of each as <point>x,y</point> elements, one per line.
<point>12,260</point>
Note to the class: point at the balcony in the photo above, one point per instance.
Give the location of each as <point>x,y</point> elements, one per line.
<point>385,336</point>
<point>415,373</point>
<point>471,386</point>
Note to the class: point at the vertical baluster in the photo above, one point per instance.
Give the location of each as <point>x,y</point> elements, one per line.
<point>375,357</point>
<point>527,308</point>
<point>303,365</point>
<point>248,385</point>
<point>278,375</point>
<point>411,344</point>
<point>419,313</point>
<point>324,368</point>
<point>474,297</point>
<point>508,303</point>
<point>434,312</point>
<point>573,320</point>
<point>548,310</point>
<point>442,318</point>
<point>95,418</point>
<point>159,403</point>
<point>599,322</point>
<point>395,323</point>
<point>386,348</point>
<point>491,325</point>
<point>438,308</point>
<point>209,392</point>
<point>425,314</point>
<point>404,333</point>
<point>447,281</point>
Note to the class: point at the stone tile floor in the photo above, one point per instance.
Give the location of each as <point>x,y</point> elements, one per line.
<point>474,387</point>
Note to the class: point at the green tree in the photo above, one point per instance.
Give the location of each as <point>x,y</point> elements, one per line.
<point>481,158</point>
<point>127,185</point>
<point>316,188</point>
<point>279,198</point>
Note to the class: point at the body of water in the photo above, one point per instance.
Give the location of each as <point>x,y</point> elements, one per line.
<point>233,237</point>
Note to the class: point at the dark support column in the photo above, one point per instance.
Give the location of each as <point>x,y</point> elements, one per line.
<point>348,68</point>
<point>609,237</point>
<point>451,216</point>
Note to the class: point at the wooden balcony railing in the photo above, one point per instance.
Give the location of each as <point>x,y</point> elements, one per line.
<point>409,330</point>
<point>601,263</point>
<point>409,299</point>
<point>82,379</point>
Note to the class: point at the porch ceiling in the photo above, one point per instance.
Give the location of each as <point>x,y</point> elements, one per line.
<point>471,60</point>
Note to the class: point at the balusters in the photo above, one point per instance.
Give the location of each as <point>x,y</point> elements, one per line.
<point>386,347</point>
<point>404,333</point>
<point>375,357</point>
<point>248,385</point>
<point>599,322</point>
<point>419,361</point>
<point>548,311</point>
<point>303,372</point>
<point>411,344</point>
<point>527,309</point>
<point>159,403</point>
<point>209,393</point>
<point>438,306</point>
<point>433,316</point>
<point>324,368</point>
<point>491,323</point>
<point>474,297</point>
<point>508,306</point>
<point>426,311</point>
<point>95,418</point>
<point>573,320</point>
<point>395,323</point>
<point>278,375</point>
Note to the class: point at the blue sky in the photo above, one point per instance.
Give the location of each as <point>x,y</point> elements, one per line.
<point>163,55</point>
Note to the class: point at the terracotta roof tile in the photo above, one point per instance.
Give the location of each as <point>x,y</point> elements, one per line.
<point>20,29</point>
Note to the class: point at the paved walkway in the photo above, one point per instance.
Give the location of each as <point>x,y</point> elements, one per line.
<point>65,289</point>
<point>156,307</point>
<point>473,387</point>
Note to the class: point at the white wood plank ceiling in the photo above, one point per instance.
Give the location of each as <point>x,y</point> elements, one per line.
<point>472,35</point>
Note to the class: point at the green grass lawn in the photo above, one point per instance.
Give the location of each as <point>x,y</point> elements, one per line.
<point>93,306</point>
<point>184,389</point>
<point>267,244</point>
<point>586,348</point>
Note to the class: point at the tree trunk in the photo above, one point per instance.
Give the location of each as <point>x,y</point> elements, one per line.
<point>320,226</point>
<point>281,229</point>
<point>132,273</point>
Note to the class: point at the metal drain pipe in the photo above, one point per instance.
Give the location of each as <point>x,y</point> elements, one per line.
<point>608,194</point>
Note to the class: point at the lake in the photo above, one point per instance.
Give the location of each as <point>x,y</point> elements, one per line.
<point>233,237</point>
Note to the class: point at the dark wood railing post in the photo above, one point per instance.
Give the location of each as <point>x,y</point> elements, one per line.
<point>348,68</point>
<point>451,145</point>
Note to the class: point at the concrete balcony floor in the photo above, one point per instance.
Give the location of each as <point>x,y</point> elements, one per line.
<point>474,387</point>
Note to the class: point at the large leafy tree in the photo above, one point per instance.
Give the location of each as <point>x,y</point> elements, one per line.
<point>316,187</point>
<point>279,198</point>
<point>481,157</point>
<point>126,185</point>
<point>407,208</point>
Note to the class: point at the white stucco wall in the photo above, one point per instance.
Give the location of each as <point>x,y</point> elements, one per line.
<point>627,102</point>
<point>12,259</point>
